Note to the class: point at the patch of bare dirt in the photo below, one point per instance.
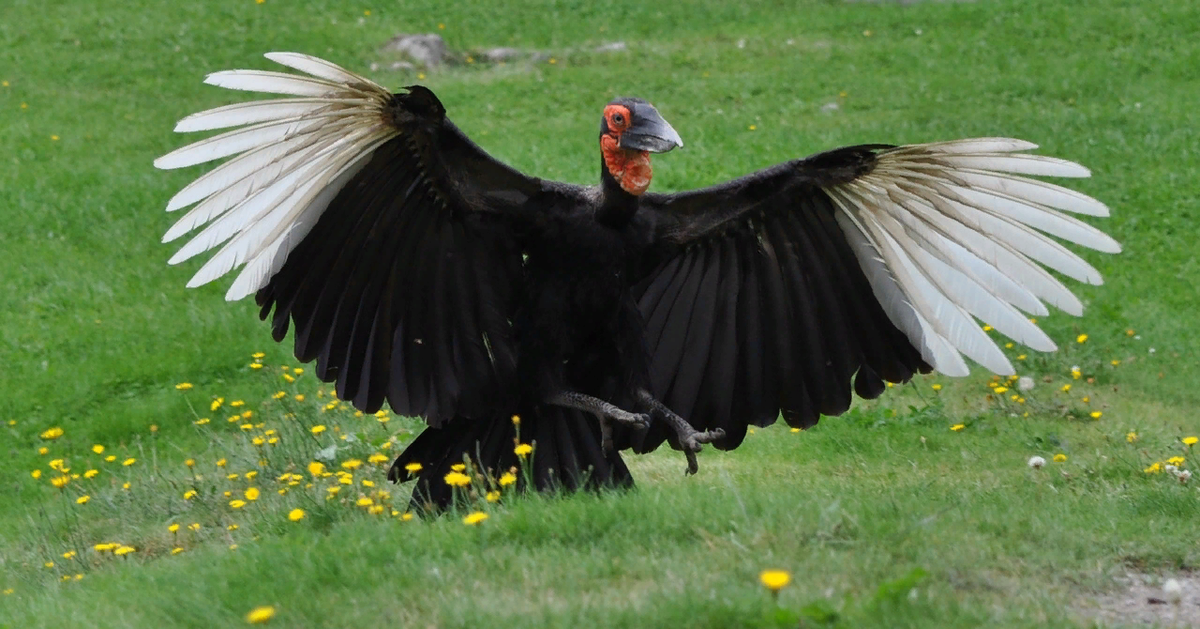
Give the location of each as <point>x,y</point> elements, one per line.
<point>1146,600</point>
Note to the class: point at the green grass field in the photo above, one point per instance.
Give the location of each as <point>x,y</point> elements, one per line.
<point>885,517</point>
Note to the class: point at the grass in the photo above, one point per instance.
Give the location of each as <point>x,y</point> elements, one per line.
<point>98,330</point>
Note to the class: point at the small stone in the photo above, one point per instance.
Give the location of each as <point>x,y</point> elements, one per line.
<point>427,50</point>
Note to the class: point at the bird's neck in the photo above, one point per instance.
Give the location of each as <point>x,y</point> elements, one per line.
<point>625,176</point>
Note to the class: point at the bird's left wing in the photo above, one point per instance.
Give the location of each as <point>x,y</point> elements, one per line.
<point>773,292</point>
<point>371,222</point>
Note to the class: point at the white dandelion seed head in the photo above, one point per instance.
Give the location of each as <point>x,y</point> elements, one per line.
<point>1173,591</point>
<point>1184,475</point>
<point>1025,383</point>
<point>1036,462</point>
<point>1172,469</point>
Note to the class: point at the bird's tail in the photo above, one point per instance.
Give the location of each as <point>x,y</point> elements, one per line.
<point>566,455</point>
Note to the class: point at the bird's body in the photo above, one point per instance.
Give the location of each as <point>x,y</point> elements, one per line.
<point>418,270</point>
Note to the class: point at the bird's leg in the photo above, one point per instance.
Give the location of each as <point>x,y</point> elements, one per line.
<point>606,441</point>
<point>690,439</point>
<point>605,411</point>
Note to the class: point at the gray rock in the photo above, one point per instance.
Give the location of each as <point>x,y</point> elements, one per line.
<point>427,50</point>
<point>616,46</point>
<point>498,55</point>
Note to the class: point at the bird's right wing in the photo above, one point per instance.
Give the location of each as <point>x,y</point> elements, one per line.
<point>372,223</point>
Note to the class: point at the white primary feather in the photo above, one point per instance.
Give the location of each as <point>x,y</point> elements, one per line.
<point>949,232</point>
<point>290,163</point>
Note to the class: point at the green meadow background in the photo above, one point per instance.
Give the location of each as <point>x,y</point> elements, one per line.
<point>884,517</point>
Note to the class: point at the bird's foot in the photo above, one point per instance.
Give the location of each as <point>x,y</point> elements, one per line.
<point>690,439</point>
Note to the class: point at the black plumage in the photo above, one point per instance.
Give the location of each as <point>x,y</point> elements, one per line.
<point>423,273</point>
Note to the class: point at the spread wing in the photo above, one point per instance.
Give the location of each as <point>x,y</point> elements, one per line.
<point>369,221</point>
<point>775,291</point>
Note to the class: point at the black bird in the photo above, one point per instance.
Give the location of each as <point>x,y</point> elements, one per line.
<point>418,270</point>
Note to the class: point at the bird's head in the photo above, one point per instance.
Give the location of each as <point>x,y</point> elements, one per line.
<point>630,130</point>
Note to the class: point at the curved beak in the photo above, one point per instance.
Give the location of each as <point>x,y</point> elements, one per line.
<point>649,132</point>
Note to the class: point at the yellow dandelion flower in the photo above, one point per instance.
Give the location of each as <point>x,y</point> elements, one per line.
<point>43,450</point>
<point>189,494</point>
<point>259,615</point>
<point>351,464</point>
<point>125,486</point>
<point>367,483</point>
<point>1131,437</point>
<point>364,502</point>
<point>1085,399</point>
<point>493,496</point>
<point>124,550</point>
<point>458,467</point>
<point>318,429</point>
<point>1096,414</point>
<point>279,395</point>
<point>201,421</point>
<point>775,580</point>
<point>475,518</point>
<point>183,386</point>
<point>51,434</point>
<point>295,515</point>
<point>937,387</point>
<point>232,527</point>
<point>237,504</point>
<point>957,427</point>
<point>523,449</point>
<point>333,491</point>
<point>174,528</point>
<point>98,449</point>
<point>83,499</point>
<point>1114,362</point>
<point>1190,441</point>
<point>316,468</point>
<point>246,427</point>
<point>457,479</point>
<point>129,461</point>
<point>8,591</point>
<point>794,430</point>
<point>194,526</point>
<point>1176,461</point>
<point>1154,468</point>
<point>256,365</point>
<point>1001,389</point>
<point>1060,458</point>
<point>1021,357</point>
<point>376,459</point>
<point>56,464</point>
<point>406,516</point>
<point>49,564</point>
<point>300,397</point>
<point>60,481</point>
<point>251,493</point>
<point>507,479</point>
<point>987,328</point>
<point>36,474</point>
<point>237,403</point>
<point>375,509</point>
<point>1082,338</point>
<point>516,420</point>
<point>176,550</point>
<point>258,441</point>
<point>412,468</point>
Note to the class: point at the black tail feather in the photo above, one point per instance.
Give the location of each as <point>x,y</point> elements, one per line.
<point>567,455</point>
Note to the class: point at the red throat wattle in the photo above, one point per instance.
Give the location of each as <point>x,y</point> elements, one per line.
<point>631,169</point>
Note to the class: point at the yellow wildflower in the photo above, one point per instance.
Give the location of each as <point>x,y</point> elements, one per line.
<point>124,550</point>
<point>36,474</point>
<point>1176,461</point>
<point>775,580</point>
<point>413,468</point>
<point>1190,441</point>
<point>507,479</point>
<point>237,403</point>
<point>129,461</point>
<point>351,464</point>
<point>1001,389</point>
<point>194,526</point>
<point>60,481</point>
<point>523,449</point>
<point>376,459</point>
<point>52,433</point>
<point>201,421</point>
<point>1082,338</point>
<point>364,501</point>
<point>68,555</point>
<point>493,496</point>
<point>295,515</point>
<point>189,494</point>
<point>475,518</point>
<point>936,387</point>
<point>299,397</point>
<point>1096,414</point>
<point>1060,458</point>
<point>458,467</point>
<point>98,449</point>
<point>176,550</point>
<point>237,504</point>
<point>516,420</point>
<point>316,468</point>
<point>183,386</point>
<point>1131,436</point>
<point>252,493</point>
<point>259,615</point>
<point>957,427</point>
<point>457,479</point>
<point>43,450</point>
<point>406,516</point>
<point>83,499</point>
<point>318,429</point>
<point>1154,468</point>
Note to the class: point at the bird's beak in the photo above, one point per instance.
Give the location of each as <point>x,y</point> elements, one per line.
<point>649,132</point>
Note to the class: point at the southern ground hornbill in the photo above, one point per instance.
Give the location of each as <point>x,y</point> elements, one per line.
<point>420,271</point>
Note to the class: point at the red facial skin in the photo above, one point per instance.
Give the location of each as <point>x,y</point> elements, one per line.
<point>631,169</point>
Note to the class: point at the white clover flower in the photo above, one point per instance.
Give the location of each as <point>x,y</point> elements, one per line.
<point>1025,383</point>
<point>1184,476</point>
<point>1036,462</point>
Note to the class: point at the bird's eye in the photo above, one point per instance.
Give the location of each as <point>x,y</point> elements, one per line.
<point>618,119</point>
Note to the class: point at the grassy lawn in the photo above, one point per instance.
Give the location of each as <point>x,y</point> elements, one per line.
<point>885,517</point>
